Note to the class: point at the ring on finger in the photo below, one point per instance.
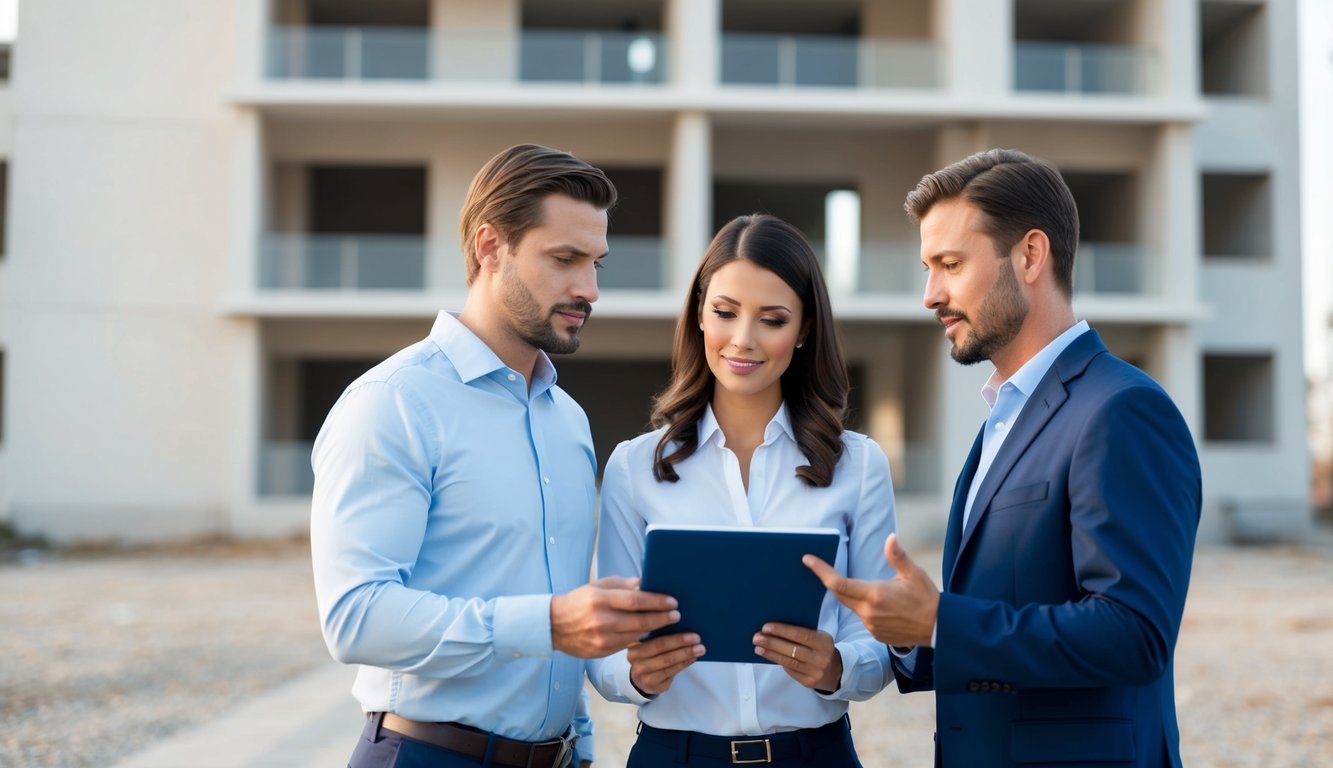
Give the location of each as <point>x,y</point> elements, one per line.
<point>793,652</point>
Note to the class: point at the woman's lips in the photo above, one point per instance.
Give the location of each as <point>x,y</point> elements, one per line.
<point>741,366</point>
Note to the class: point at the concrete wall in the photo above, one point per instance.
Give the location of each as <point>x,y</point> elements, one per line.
<point>122,378</point>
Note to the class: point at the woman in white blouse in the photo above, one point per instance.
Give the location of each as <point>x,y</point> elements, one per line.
<point>750,433</point>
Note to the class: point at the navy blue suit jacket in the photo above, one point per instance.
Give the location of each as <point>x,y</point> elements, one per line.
<point>1063,596</point>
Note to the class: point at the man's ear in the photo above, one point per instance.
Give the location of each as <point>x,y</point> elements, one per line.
<point>1034,256</point>
<point>487,245</point>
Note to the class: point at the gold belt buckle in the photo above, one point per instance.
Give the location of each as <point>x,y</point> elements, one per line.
<point>736,758</point>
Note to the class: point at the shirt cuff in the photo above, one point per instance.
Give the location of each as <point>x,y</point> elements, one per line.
<point>522,627</point>
<point>863,675</point>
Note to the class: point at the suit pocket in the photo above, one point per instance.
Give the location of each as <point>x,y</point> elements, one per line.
<point>1072,741</point>
<point>1023,494</point>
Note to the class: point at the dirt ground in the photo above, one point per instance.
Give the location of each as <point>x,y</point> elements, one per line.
<point>102,653</point>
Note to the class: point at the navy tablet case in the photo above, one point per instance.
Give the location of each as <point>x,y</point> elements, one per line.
<point>731,581</point>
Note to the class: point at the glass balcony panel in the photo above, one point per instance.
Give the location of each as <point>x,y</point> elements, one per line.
<point>887,267</point>
<point>751,59</point>
<point>1079,68</point>
<point>377,53</point>
<point>343,262</point>
<point>828,62</point>
<point>900,64</point>
<point>355,53</point>
<point>593,56</point>
<point>284,468</point>
<point>919,470</point>
<point>394,54</point>
<point>1111,268</point>
<point>635,262</point>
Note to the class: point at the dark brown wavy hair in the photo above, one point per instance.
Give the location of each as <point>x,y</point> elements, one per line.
<point>814,386</point>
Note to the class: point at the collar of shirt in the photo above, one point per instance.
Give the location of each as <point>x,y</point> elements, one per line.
<point>1026,378</point>
<point>778,425</point>
<point>473,359</point>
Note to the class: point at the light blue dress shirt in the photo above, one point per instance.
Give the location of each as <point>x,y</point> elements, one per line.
<point>1007,400</point>
<point>738,699</point>
<point>451,501</point>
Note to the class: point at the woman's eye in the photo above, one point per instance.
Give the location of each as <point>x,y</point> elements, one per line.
<point>724,314</point>
<point>774,322</point>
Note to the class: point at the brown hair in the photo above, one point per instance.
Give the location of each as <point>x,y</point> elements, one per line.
<point>814,386</point>
<point>508,192</point>
<point>1016,193</point>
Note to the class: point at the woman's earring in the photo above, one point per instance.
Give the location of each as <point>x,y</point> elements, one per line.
<point>800,344</point>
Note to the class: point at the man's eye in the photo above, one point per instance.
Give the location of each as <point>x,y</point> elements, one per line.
<point>598,264</point>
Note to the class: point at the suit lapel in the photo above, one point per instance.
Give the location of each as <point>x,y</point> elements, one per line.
<point>1045,400</point>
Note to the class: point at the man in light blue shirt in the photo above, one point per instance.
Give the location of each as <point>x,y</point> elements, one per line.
<point>453,513</point>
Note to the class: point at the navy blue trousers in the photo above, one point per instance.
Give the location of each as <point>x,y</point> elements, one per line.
<point>826,747</point>
<point>380,748</point>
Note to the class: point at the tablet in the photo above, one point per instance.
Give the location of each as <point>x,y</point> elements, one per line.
<point>730,581</point>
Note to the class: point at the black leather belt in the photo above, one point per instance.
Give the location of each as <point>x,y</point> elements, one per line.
<point>472,743</point>
<point>746,750</point>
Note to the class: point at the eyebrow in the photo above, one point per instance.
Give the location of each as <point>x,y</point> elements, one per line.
<point>941,255</point>
<point>769,308</point>
<point>570,248</point>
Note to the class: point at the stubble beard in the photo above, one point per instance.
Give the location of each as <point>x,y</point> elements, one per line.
<point>998,321</point>
<point>531,323</point>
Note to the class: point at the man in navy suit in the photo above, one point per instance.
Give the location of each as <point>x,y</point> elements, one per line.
<point>1067,556</point>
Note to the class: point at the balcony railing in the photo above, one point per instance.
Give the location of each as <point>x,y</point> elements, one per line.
<point>893,268</point>
<point>348,53</point>
<point>635,262</point>
<point>1112,268</point>
<point>534,55</point>
<point>828,62</point>
<point>343,262</point>
<point>284,468</point>
<point>592,57</point>
<point>919,469</point>
<point>1081,68</point>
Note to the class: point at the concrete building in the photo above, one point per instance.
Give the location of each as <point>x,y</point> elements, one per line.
<point>220,213</point>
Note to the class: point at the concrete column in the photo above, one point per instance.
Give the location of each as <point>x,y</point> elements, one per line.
<point>694,29</point>
<point>475,39</point>
<point>252,28</point>
<point>1170,195</point>
<point>1174,73</point>
<point>978,41</point>
<point>690,198</point>
<point>249,195</point>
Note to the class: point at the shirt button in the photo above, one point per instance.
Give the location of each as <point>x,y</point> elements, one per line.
<point>518,655</point>
<point>546,479</point>
<point>551,540</point>
<point>999,425</point>
<point>512,377</point>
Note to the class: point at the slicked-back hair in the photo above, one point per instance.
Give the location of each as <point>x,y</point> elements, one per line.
<point>814,386</point>
<point>509,190</point>
<point>1015,193</point>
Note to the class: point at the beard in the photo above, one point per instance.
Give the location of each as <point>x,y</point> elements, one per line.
<point>531,323</point>
<point>998,321</point>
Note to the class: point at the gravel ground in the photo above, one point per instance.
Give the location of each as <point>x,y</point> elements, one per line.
<point>102,654</point>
